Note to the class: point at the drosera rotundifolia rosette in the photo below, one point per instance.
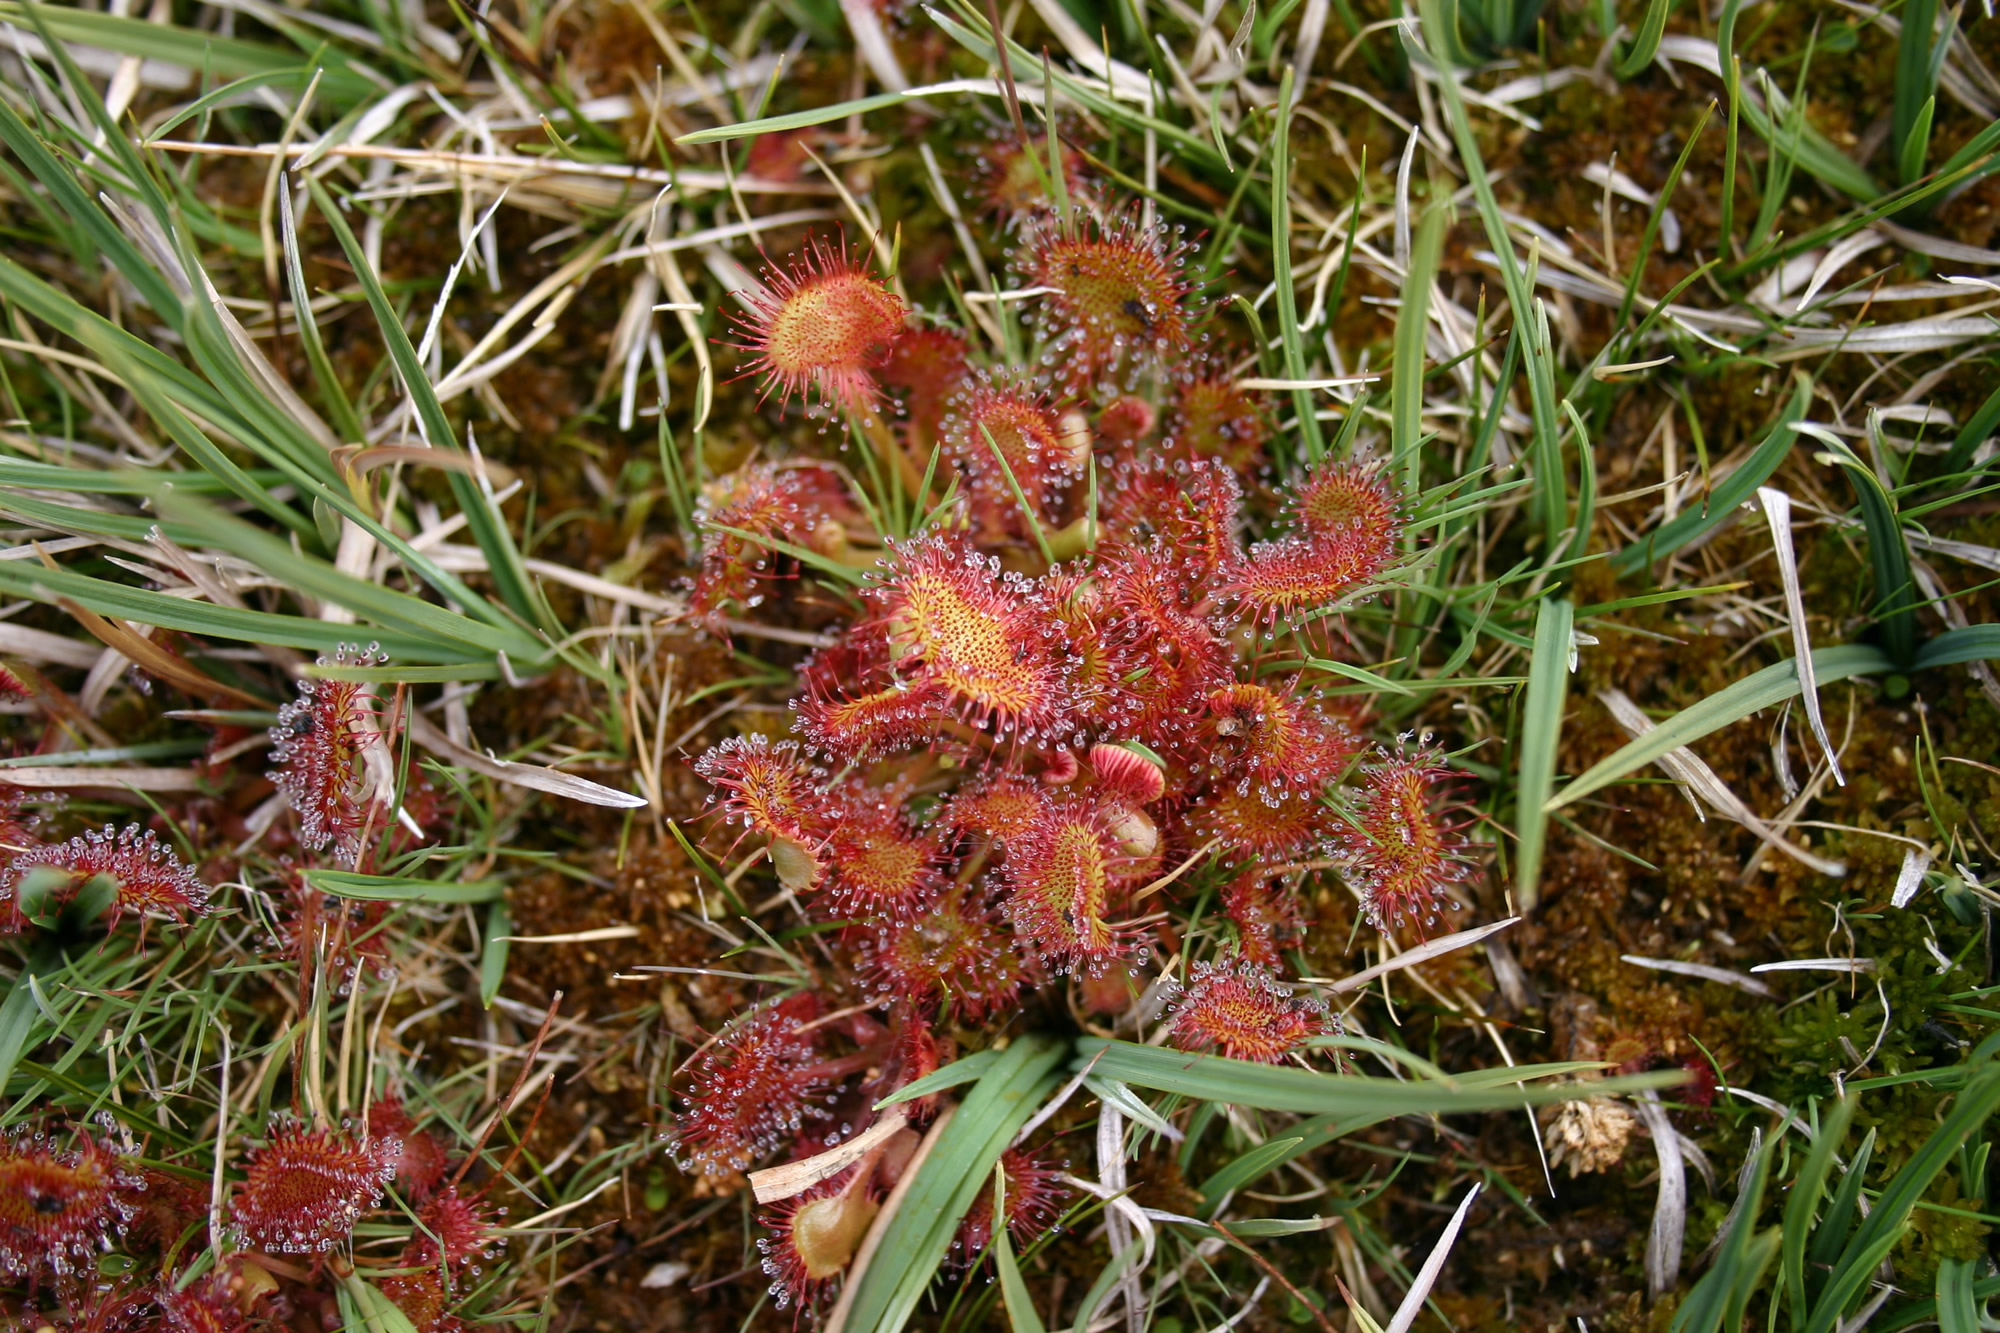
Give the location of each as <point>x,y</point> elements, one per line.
<point>1073,692</point>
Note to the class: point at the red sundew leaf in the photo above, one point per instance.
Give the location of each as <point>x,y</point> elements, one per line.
<point>1267,916</point>
<point>147,878</point>
<point>1241,1010</point>
<point>988,640</point>
<point>1061,875</point>
<point>955,955</point>
<point>820,328</point>
<point>751,1090</point>
<point>767,787</point>
<point>802,504</point>
<point>1270,739</point>
<point>997,807</point>
<point>897,717</point>
<point>1014,186</point>
<point>1030,436</point>
<point>1118,295</point>
<point>928,364</point>
<point>1267,824</point>
<point>1405,848</point>
<point>422,1161</point>
<point>882,867</point>
<point>304,1190</point>
<point>1193,509</point>
<point>1351,525</point>
<point>1099,694</point>
<point>343,934</point>
<point>1213,419</point>
<point>453,1230</point>
<point>424,1299</point>
<point>317,748</point>
<point>1168,656</point>
<point>1034,1195</point>
<point>1125,422</point>
<point>205,1306</point>
<point>59,1207</point>
<point>1341,504</point>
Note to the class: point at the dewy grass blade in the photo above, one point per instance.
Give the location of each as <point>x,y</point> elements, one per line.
<point>1541,730</point>
<point>1773,685</point>
<point>916,1236</point>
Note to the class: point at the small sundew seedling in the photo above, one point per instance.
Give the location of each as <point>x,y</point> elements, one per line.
<point>1240,1009</point>
<point>820,328</point>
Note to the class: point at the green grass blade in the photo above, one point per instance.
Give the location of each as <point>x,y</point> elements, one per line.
<point>1541,730</point>
<point>1804,1199</point>
<point>401,888</point>
<point>1957,1309</point>
<point>493,953</point>
<point>1741,1261</point>
<point>916,1239</point>
<point>1888,553</point>
<point>1831,1235</point>
<point>1773,685</point>
<point>146,607</point>
<point>1978,427</point>
<point>1021,1316</point>
<point>1883,1227</point>
<point>1281,263</point>
<point>503,558</point>
<point>1647,44</point>
<point>1274,1088</point>
<point>1721,505</point>
<point>220,57</point>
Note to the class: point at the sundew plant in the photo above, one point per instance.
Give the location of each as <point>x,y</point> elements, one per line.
<point>823,664</point>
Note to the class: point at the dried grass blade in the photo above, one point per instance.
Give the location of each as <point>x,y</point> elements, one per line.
<point>532,776</point>
<point>1777,506</point>
<point>1683,765</point>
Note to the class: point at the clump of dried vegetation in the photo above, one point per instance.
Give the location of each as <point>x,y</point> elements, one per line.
<point>747,665</point>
